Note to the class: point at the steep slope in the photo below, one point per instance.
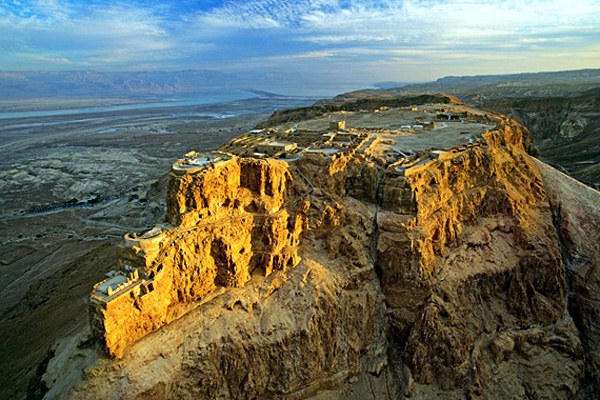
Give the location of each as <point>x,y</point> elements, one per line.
<point>443,279</point>
<point>576,210</point>
<point>480,293</point>
<point>320,323</point>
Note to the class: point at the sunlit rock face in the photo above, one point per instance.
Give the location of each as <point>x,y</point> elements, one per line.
<point>479,295</point>
<point>341,276</point>
<point>224,223</point>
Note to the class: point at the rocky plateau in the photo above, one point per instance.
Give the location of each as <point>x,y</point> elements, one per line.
<point>355,271</point>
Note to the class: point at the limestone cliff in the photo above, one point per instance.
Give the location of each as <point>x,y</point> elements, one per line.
<point>576,212</point>
<point>480,288</point>
<point>342,277</point>
<point>223,224</point>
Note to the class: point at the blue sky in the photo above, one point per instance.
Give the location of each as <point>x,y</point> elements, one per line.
<point>346,41</point>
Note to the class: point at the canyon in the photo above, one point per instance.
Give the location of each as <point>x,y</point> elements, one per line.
<point>375,261</point>
<point>565,130</point>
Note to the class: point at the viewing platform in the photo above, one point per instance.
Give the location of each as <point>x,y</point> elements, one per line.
<point>195,162</point>
<point>116,284</point>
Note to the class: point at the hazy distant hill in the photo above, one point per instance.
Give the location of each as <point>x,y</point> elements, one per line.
<point>475,89</point>
<point>391,84</point>
<point>35,84</point>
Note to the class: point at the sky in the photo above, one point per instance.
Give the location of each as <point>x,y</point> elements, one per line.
<point>346,41</point>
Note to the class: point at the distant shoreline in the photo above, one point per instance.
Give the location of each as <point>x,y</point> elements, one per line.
<point>44,108</point>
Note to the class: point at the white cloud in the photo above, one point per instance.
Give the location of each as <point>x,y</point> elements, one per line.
<point>340,38</point>
<point>452,21</point>
<point>47,58</point>
<point>429,26</point>
<point>117,35</point>
<point>345,35</point>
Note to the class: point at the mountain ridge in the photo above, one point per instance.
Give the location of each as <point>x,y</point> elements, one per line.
<point>49,84</point>
<point>532,84</point>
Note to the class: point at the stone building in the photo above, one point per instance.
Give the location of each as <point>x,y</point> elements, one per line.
<point>273,148</point>
<point>337,125</point>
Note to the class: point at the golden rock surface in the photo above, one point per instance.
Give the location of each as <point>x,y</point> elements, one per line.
<point>336,276</point>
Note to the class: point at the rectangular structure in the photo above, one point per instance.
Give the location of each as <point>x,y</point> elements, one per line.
<point>272,148</point>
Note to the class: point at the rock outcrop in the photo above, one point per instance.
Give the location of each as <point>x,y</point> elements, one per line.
<point>230,220</point>
<point>337,277</point>
<point>479,296</point>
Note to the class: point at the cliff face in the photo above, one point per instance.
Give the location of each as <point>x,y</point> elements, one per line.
<point>224,224</point>
<point>576,211</point>
<point>479,295</point>
<point>347,279</point>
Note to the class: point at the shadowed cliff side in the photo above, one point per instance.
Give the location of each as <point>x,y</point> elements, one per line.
<point>576,210</point>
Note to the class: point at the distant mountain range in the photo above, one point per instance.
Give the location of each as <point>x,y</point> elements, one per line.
<point>473,89</point>
<point>42,84</point>
<point>477,89</point>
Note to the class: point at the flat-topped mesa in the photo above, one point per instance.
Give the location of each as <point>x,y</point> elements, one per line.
<point>374,104</point>
<point>227,218</point>
<point>451,227</point>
